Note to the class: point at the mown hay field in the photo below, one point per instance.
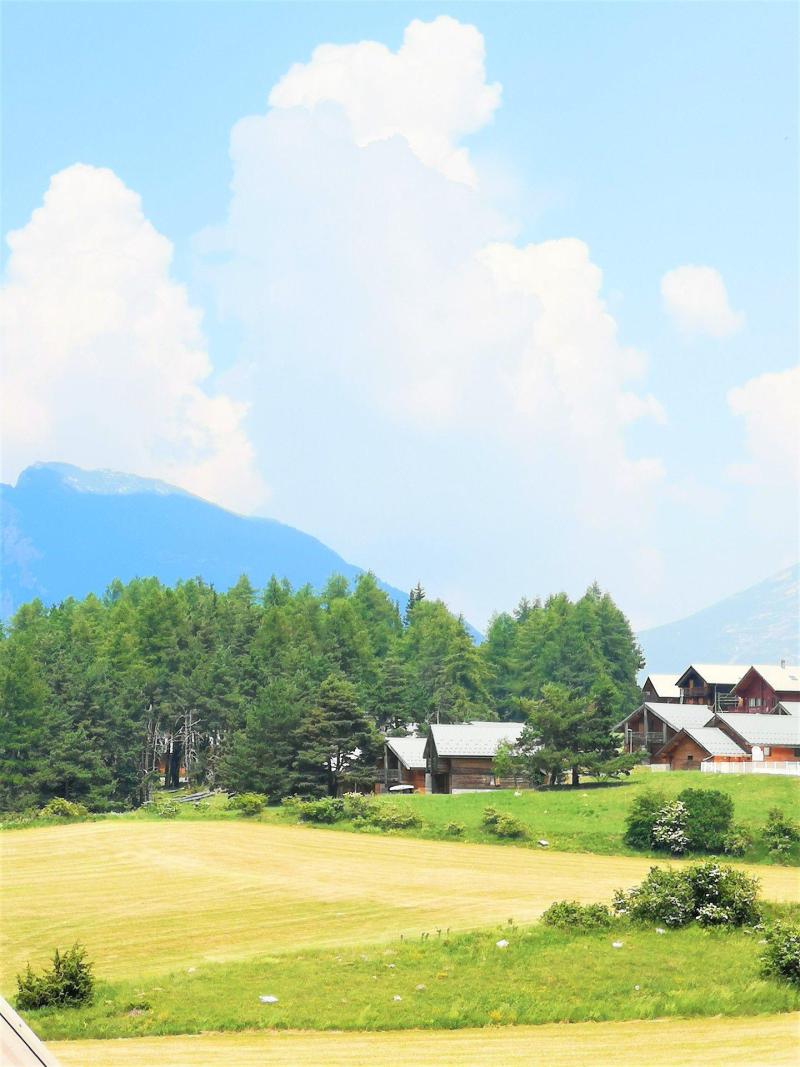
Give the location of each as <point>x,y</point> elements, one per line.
<point>762,1041</point>
<point>147,898</point>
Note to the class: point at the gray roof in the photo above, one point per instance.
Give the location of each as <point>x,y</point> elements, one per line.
<point>764,729</point>
<point>790,707</point>
<point>664,684</point>
<point>409,750</point>
<point>677,716</point>
<point>473,738</point>
<point>715,741</point>
<point>781,679</point>
<point>718,673</point>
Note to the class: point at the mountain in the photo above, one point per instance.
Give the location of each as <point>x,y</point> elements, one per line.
<point>759,625</point>
<point>68,532</point>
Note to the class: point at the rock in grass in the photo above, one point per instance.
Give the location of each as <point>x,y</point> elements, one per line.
<point>395,997</point>
<point>617,944</point>
<point>502,943</point>
<point>543,844</point>
<point>269,999</point>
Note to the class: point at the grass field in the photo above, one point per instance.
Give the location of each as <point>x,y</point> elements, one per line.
<point>150,897</point>
<point>750,1042</point>
<point>592,818</point>
<point>542,976</point>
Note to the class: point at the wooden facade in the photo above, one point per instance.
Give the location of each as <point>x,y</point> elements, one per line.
<point>762,689</point>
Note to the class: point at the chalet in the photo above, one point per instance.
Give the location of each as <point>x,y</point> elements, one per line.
<point>460,756</point>
<point>404,764</point>
<point>762,687</point>
<point>653,724</point>
<point>765,738</point>
<point>693,745</point>
<point>711,684</point>
<point>661,689</point>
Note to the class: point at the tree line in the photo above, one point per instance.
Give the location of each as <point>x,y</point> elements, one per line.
<point>281,690</point>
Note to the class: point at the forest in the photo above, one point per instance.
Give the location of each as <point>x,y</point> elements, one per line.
<point>282,691</point>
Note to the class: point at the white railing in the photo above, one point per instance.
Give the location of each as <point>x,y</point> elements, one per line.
<point>660,767</point>
<point>782,767</point>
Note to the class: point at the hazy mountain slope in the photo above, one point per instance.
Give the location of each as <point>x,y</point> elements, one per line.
<point>759,625</point>
<point>68,532</point>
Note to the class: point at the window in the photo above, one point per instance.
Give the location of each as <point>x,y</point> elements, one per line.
<point>689,758</point>
<point>767,750</point>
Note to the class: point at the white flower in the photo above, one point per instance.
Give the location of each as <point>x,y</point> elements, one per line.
<point>617,944</point>
<point>268,1000</point>
<point>395,997</point>
<point>502,943</point>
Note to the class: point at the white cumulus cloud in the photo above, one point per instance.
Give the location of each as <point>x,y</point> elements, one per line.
<point>431,92</point>
<point>697,300</point>
<point>769,405</point>
<point>105,363</point>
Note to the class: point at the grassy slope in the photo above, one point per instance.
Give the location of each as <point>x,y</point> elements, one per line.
<point>543,976</point>
<point>592,818</point>
<point>148,897</point>
<point>755,1042</point>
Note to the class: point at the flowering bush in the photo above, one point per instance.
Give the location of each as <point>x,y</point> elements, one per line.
<point>669,828</point>
<point>737,841</point>
<point>710,893</point>
<point>709,816</point>
<point>781,957</point>
<point>641,816</point>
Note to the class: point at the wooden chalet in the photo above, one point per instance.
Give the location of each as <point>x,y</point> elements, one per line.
<point>763,686</point>
<point>460,756</point>
<point>711,684</point>
<point>404,764</point>
<point>653,724</point>
<point>661,689</point>
<point>766,738</point>
<point>693,745</point>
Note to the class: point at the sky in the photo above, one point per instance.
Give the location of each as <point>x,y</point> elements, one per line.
<point>498,297</point>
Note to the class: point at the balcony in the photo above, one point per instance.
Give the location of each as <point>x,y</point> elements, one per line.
<point>645,742</point>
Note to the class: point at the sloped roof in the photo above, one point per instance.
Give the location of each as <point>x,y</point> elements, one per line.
<point>675,715</point>
<point>764,729</point>
<point>715,741</point>
<point>717,673</point>
<point>664,684</point>
<point>473,738</point>
<point>781,679</point>
<point>19,1046</point>
<point>790,707</point>
<point>409,750</point>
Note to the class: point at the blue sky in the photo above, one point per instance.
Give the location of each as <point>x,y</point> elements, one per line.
<point>660,136</point>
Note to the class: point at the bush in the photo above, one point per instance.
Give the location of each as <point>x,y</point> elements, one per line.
<point>708,893</point>
<point>780,833</point>
<point>507,825</point>
<point>248,803</point>
<point>781,957</point>
<point>670,828</point>
<point>59,808</point>
<point>394,818</point>
<point>455,829</point>
<point>640,819</point>
<point>324,810</point>
<point>570,915</point>
<point>737,841</point>
<point>490,817</point>
<point>168,809</point>
<point>709,817</point>
<point>357,806</point>
<point>69,982</point>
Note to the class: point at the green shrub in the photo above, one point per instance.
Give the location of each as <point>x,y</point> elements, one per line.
<point>669,830</point>
<point>507,825</point>
<point>357,806</point>
<point>248,803</point>
<point>324,810</point>
<point>640,819</point>
<point>59,808</point>
<point>709,817</point>
<point>69,982</point>
<point>780,833</point>
<point>390,818</point>
<point>490,817</point>
<point>737,841</point>
<point>455,829</point>
<point>570,915</point>
<point>168,809</point>
<point>709,893</point>
<point>781,957</point>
